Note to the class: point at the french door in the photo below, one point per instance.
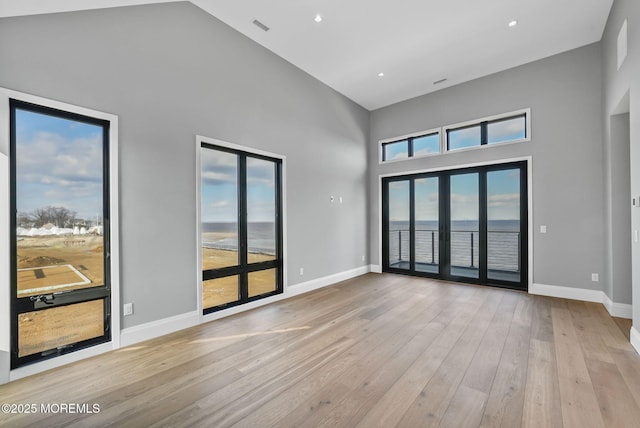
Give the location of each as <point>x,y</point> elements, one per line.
<point>60,254</point>
<point>465,225</point>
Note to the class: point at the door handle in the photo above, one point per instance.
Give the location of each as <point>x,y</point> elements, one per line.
<point>44,298</point>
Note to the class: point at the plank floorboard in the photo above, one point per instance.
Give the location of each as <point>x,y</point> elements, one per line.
<point>375,351</point>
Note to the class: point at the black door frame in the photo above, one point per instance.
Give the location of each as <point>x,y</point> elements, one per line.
<point>444,271</point>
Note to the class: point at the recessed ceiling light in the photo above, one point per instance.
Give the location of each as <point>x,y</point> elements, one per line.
<point>381,74</point>
<point>513,23</point>
<point>318,18</point>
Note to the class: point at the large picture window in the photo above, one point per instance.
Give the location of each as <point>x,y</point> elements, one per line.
<point>60,246</point>
<point>241,226</point>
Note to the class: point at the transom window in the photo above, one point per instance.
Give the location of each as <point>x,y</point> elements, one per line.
<point>422,144</point>
<point>510,127</point>
<point>506,128</point>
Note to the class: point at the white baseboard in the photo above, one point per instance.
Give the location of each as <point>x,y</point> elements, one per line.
<point>153,329</point>
<point>62,360</point>
<point>620,310</point>
<point>314,284</point>
<point>635,339</point>
<point>585,295</point>
<point>376,268</point>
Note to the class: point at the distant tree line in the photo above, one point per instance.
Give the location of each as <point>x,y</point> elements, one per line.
<point>58,216</point>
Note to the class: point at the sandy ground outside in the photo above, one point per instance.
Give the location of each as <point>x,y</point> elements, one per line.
<point>84,253</point>
<point>219,291</point>
<point>40,331</point>
<point>50,264</point>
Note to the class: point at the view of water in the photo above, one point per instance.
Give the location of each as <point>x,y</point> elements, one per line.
<point>224,236</point>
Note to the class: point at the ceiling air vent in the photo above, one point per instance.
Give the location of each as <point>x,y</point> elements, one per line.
<point>260,25</point>
<point>437,82</point>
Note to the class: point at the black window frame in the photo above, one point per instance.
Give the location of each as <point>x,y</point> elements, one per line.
<point>410,148</point>
<point>65,298</point>
<point>244,268</point>
<point>484,137</point>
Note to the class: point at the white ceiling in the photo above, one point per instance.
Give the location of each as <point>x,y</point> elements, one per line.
<point>414,42</point>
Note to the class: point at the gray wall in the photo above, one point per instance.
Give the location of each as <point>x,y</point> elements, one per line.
<point>617,84</point>
<point>172,71</point>
<point>618,191</point>
<point>564,94</point>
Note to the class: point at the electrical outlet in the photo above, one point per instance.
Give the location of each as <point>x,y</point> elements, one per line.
<point>543,229</point>
<point>595,277</point>
<point>128,309</point>
<point>301,271</point>
<point>363,258</point>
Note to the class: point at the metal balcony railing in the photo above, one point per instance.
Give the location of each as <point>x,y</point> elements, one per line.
<point>503,248</point>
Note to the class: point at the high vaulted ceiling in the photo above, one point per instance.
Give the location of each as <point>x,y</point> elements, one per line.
<point>413,42</point>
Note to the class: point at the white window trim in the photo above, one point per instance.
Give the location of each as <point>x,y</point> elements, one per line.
<point>381,144</point>
<point>469,123</point>
<point>5,234</point>
<point>241,308</point>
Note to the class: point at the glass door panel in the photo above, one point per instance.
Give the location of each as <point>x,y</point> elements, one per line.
<point>399,253</point>
<point>464,225</point>
<point>504,225</point>
<point>427,225</point>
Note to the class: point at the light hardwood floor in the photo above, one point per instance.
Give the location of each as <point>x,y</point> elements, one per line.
<point>375,351</point>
